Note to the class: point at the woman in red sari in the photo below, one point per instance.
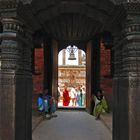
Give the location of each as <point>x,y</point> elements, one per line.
<point>66,98</point>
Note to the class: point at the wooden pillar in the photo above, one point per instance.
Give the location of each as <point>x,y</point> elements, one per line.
<point>96,65</point>
<point>117,101</point>
<point>15,77</point>
<point>51,66</point>
<point>47,65</point>
<point>126,82</point>
<point>54,87</point>
<point>89,74</point>
<point>64,57</point>
<point>79,57</point>
<point>92,71</point>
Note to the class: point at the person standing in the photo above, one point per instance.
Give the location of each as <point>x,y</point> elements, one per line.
<point>73,94</point>
<point>78,97</point>
<point>66,98</point>
<point>81,97</point>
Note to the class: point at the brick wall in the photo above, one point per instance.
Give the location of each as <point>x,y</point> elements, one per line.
<point>106,79</point>
<point>38,75</point>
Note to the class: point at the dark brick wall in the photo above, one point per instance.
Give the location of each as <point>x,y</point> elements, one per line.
<point>106,79</point>
<point>38,75</point>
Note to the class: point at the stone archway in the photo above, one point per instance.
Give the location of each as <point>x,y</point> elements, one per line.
<point>57,19</point>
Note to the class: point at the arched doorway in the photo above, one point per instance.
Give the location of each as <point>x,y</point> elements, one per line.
<point>68,22</point>
<point>72,74</point>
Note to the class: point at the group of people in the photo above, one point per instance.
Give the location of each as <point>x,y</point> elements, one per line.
<point>46,104</point>
<point>73,97</point>
<point>99,104</point>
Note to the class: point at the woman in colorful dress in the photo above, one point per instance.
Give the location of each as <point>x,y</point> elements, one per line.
<point>100,104</point>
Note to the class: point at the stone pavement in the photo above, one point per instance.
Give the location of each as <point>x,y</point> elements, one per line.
<point>37,118</point>
<point>72,125</point>
<point>106,118</point>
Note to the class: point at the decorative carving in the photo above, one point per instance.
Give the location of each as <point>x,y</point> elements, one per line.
<point>15,47</point>
<point>134,1</point>
<point>135,83</point>
<point>26,1</point>
<point>127,1</point>
<point>7,81</point>
<point>6,4</point>
<point>132,6</point>
<point>131,49</point>
<point>12,25</point>
<point>132,28</point>
<point>127,56</point>
<point>118,43</point>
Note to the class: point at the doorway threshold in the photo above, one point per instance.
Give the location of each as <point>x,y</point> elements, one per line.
<point>72,108</point>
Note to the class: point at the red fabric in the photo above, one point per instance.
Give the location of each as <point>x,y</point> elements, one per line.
<point>66,98</point>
